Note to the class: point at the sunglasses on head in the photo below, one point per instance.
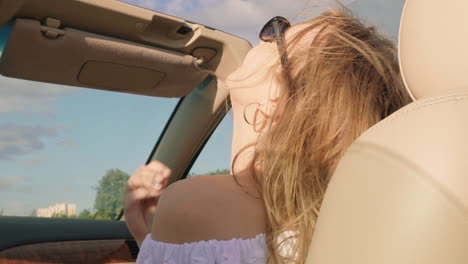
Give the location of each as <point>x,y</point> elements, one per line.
<point>274,31</point>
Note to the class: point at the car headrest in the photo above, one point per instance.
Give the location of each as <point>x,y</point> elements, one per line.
<point>434,46</point>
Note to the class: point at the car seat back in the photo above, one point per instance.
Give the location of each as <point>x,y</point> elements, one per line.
<point>400,194</point>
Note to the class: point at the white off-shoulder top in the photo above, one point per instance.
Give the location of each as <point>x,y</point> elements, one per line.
<point>234,251</point>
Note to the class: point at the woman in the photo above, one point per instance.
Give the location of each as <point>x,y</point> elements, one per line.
<point>299,101</point>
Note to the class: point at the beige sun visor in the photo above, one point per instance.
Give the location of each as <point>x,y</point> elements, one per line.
<point>80,58</point>
<point>116,46</point>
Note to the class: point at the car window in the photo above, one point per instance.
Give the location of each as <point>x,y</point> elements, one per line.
<point>63,149</point>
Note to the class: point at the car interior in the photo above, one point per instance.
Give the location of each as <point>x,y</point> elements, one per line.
<point>397,196</point>
<point>124,48</point>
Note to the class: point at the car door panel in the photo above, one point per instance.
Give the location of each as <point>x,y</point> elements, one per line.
<point>53,240</point>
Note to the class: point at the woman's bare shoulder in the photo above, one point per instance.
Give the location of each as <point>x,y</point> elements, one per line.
<point>205,208</point>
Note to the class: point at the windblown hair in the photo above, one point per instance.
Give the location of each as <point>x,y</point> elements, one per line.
<point>341,83</point>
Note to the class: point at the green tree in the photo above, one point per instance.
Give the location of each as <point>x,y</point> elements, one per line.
<point>2,212</point>
<point>86,214</point>
<point>33,213</point>
<point>109,194</point>
<point>216,172</point>
<point>63,215</point>
<point>219,172</point>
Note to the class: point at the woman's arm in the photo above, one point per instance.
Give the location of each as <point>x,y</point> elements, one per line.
<point>141,196</point>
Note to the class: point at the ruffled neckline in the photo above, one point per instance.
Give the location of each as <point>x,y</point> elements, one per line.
<point>232,251</point>
<point>259,237</point>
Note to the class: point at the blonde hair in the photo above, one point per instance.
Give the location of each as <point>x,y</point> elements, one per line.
<point>344,82</point>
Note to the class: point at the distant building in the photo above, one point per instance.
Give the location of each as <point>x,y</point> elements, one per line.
<point>57,210</point>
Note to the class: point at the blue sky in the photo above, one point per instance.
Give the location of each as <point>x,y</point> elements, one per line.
<point>56,141</point>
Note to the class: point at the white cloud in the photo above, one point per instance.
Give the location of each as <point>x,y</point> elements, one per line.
<point>175,6</point>
<point>17,140</point>
<point>6,182</point>
<point>149,4</point>
<point>34,162</point>
<point>28,96</point>
<point>71,144</point>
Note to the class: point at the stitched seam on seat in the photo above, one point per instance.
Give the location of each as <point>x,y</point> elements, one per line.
<point>426,175</point>
<point>417,107</point>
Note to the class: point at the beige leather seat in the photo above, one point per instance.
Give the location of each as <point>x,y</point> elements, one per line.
<point>400,194</point>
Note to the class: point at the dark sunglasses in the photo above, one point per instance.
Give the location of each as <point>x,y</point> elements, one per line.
<point>274,31</point>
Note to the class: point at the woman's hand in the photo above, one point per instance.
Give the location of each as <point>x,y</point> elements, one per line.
<point>141,196</point>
